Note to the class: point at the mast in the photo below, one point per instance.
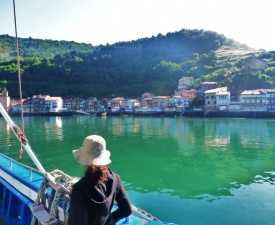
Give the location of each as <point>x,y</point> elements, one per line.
<point>16,130</point>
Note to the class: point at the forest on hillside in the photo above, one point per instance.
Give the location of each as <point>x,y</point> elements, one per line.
<point>128,69</point>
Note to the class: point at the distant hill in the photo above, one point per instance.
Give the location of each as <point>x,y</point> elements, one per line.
<point>128,69</point>
<point>30,47</point>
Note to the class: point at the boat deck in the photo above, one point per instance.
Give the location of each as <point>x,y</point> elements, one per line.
<point>25,173</point>
<point>18,190</point>
<point>14,207</point>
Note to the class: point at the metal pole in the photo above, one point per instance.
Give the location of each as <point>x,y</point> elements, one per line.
<point>25,144</point>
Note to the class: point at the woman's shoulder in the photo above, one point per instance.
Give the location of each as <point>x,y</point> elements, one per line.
<point>80,183</point>
<point>114,175</point>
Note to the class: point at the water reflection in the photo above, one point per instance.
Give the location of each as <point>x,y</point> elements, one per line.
<point>53,128</point>
<point>191,158</point>
<point>7,138</point>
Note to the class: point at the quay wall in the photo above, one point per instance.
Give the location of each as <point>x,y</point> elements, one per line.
<point>185,113</point>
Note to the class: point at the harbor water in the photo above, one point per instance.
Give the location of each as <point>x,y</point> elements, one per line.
<point>190,171</point>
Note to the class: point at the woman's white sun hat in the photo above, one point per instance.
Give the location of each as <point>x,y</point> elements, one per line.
<point>93,151</point>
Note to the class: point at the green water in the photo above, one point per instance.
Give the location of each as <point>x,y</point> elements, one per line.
<point>183,170</point>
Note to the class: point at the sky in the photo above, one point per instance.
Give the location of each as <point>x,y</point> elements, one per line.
<point>109,21</point>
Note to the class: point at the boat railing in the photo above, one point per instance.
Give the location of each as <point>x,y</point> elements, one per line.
<point>14,166</point>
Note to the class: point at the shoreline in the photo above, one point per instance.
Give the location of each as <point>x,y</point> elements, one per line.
<point>186,113</point>
<point>201,114</point>
<point>43,114</point>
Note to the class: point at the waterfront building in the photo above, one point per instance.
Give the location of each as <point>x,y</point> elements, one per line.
<point>147,102</point>
<point>185,83</point>
<point>253,100</point>
<point>74,103</point>
<point>53,104</point>
<point>131,104</point>
<point>147,99</point>
<point>78,104</point>
<point>90,103</point>
<point>270,99</point>
<point>5,99</point>
<point>201,88</point>
<point>115,102</point>
<point>189,94</point>
<point>160,101</point>
<point>39,103</point>
<point>67,103</point>
<point>222,99</point>
<point>35,104</point>
<point>210,98</point>
<point>16,107</point>
<point>27,105</point>
<point>218,98</point>
<point>179,101</point>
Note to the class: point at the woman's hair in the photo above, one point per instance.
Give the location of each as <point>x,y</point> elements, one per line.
<point>96,173</point>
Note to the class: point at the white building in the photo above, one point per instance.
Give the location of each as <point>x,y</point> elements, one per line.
<point>270,98</point>
<point>53,104</point>
<point>218,98</point>
<point>185,83</point>
<point>223,99</point>
<point>132,104</point>
<point>178,101</point>
<point>201,88</point>
<point>253,100</point>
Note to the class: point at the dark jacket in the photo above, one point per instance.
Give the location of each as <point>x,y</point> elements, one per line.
<point>92,204</point>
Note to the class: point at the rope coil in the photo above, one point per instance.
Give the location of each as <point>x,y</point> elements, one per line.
<point>54,190</point>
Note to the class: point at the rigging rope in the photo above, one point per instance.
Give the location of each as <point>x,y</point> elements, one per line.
<point>19,77</point>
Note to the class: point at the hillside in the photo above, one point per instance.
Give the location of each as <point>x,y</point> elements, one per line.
<point>30,47</point>
<point>130,68</point>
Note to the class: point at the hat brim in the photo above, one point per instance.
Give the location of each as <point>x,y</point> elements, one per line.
<point>84,159</point>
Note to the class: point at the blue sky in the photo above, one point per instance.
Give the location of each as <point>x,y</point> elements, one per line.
<point>109,21</point>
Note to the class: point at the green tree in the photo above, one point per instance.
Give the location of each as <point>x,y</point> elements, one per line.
<point>197,102</point>
<point>249,81</point>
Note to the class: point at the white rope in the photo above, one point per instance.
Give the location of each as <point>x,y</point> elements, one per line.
<point>54,207</point>
<point>61,186</point>
<point>65,180</point>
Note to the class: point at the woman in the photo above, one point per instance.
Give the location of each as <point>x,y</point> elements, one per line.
<point>93,196</point>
